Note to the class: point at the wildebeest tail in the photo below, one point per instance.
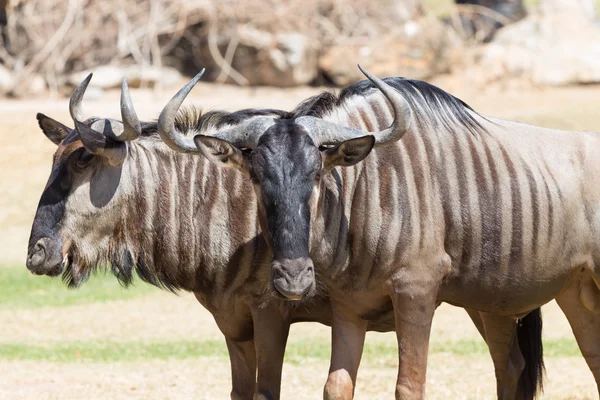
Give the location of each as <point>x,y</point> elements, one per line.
<point>529,335</point>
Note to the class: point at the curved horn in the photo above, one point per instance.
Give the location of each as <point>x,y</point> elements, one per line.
<point>132,128</point>
<point>75,107</point>
<point>325,132</point>
<point>166,121</point>
<point>245,134</point>
<point>94,141</point>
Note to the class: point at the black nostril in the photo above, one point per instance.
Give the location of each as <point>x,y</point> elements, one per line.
<point>37,256</point>
<point>310,269</point>
<point>277,272</point>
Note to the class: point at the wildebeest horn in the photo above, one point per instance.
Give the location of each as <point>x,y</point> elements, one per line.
<point>245,134</point>
<point>75,107</point>
<point>132,128</point>
<point>104,142</point>
<point>166,120</point>
<point>325,132</point>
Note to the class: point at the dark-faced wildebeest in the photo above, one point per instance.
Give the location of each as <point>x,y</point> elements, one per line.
<point>118,195</point>
<point>483,213</point>
<point>335,251</point>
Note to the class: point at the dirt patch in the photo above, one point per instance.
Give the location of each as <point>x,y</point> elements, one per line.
<point>449,377</point>
<point>165,317</point>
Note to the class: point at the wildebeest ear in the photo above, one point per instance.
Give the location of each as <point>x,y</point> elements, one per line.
<point>99,144</point>
<point>222,153</point>
<point>54,130</point>
<point>349,152</point>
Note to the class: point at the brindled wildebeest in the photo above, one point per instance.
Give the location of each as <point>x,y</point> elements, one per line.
<point>358,230</point>
<point>118,196</point>
<point>493,215</point>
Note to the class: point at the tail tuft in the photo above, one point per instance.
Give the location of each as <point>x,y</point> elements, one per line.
<point>529,335</point>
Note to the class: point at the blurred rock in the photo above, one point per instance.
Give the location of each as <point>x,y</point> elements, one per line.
<point>559,45</point>
<point>106,77</point>
<point>262,58</point>
<point>93,93</point>
<point>480,19</point>
<point>420,50</point>
<point>36,84</point>
<point>6,79</point>
<point>140,76</point>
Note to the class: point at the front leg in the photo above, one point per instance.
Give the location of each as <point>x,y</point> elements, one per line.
<point>242,357</point>
<point>347,340</point>
<point>271,329</point>
<point>414,305</point>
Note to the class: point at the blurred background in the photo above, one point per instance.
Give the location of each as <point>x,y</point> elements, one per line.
<point>48,43</point>
<point>535,61</point>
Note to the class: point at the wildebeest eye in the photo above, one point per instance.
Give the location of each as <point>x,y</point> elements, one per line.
<point>83,161</point>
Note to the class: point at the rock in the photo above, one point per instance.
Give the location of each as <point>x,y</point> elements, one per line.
<point>479,25</point>
<point>107,77</point>
<point>6,79</point>
<point>36,84</point>
<point>94,93</point>
<point>283,60</point>
<point>138,76</point>
<point>558,46</point>
<point>420,50</point>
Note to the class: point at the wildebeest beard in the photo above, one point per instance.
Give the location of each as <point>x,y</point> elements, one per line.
<point>118,258</point>
<point>78,265</point>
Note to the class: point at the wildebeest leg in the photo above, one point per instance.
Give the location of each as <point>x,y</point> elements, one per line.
<point>477,320</point>
<point>500,334</point>
<point>581,305</point>
<point>242,357</point>
<point>501,338</point>
<point>414,306</point>
<point>347,340</point>
<point>271,329</point>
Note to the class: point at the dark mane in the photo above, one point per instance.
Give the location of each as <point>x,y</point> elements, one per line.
<point>438,105</point>
<point>191,119</point>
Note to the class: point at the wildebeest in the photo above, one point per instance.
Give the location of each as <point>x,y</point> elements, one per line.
<point>118,196</point>
<point>288,170</point>
<point>484,213</point>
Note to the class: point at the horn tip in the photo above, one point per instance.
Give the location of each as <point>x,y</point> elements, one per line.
<point>198,75</point>
<point>365,72</point>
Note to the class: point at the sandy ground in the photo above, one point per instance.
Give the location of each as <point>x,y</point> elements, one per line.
<point>453,378</point>
<point>166,317</point>
<point>24,167</point>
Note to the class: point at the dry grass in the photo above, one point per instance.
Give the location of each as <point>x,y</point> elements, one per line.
<point>452,376</point>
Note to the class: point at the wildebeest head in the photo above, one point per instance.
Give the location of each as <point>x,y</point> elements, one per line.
<point>285,160</point>
<point>84,188</point>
